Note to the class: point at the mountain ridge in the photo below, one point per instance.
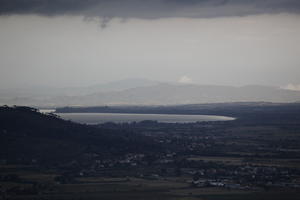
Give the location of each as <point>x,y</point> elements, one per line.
<point>158,93</point>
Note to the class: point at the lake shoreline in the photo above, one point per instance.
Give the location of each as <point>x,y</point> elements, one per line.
<point>100,118</point>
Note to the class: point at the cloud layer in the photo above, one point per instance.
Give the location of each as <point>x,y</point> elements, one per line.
<point>185,80</point>
<point>149,9</point>
<point>293,87</point>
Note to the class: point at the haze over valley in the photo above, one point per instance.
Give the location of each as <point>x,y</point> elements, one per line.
<point>149,99</point>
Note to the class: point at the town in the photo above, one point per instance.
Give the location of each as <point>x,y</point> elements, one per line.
<point>239,157</point>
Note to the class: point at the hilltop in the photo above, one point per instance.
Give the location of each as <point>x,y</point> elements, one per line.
<point>26,135</point>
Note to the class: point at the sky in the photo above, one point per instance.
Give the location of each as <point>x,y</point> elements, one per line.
<point>61,43</point>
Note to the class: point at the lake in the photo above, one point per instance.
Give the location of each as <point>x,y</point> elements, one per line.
<point>99,118</point>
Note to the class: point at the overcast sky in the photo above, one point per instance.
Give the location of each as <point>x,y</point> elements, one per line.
<point>84,42</point>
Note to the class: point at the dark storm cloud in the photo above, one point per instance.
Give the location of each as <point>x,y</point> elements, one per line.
<point>149,9</point>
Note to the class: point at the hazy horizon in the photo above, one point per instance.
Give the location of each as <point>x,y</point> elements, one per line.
<point>181,81</point>
<point>80,43</point>
<point>150,99</point>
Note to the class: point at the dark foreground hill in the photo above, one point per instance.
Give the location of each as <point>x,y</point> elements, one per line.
<point>256,156</point>
<point>29,136</point>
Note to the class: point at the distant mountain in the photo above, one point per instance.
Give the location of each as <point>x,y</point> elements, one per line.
<point>168,94</point>
<point>41,91</point>
<point>153,93</point>
<point>123,85</point>
<point>39,95</point>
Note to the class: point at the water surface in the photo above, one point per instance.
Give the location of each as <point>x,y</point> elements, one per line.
<point>99,118</point>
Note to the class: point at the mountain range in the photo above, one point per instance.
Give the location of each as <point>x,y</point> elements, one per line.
<point>146,92</point>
